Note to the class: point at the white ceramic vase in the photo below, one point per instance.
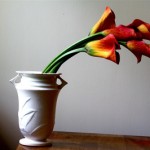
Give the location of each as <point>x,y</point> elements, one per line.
<point>37,96</point>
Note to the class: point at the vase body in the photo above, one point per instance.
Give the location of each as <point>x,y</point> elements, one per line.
<point>37,96</point>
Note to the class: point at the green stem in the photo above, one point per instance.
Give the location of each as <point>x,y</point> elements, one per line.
<point>78,44</point>
<point>123,43</point>
<point>55,65</point>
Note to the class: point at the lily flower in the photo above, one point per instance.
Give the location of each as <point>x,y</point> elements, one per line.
<point>105,48</point>
<point>139,48</point>
<point>142,28</point>
<point>121,33</point>
<point>106,21</point>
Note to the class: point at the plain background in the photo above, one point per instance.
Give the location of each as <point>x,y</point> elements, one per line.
<point>101,97</point>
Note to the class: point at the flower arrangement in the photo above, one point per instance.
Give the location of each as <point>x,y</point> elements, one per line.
<point>105,38</point>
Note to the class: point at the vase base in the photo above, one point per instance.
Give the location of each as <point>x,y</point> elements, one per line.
<point>28,142</point>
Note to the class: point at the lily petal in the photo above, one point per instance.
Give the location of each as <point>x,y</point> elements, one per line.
<point>106,21</point>
<point>121,32</point>
<point>142,28</point>
<point>139,48</point>
<point>138,22</point>
<point>144,31</point>
<point>105,48</point>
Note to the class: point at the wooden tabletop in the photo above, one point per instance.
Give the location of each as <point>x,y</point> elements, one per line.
<point>86,141</point>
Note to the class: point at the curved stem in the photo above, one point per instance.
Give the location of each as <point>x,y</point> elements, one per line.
<point>55,65</point>
<point>78,44</point>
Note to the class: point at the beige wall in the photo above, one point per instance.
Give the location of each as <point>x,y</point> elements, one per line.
<point>101,96</point>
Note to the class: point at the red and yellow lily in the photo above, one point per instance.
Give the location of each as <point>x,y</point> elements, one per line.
<point>106,21</point>
<point>105,48</point>
<point>106,25</point>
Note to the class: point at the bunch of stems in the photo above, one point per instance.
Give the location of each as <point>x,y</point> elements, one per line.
<point>69,52</point>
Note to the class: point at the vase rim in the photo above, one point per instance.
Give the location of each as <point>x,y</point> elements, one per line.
<point>36,73</point>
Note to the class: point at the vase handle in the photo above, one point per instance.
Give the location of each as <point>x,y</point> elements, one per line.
<point>63,83</point>
<point>16,79</point>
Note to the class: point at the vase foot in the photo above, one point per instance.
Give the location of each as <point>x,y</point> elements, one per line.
<point>28,142</point>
